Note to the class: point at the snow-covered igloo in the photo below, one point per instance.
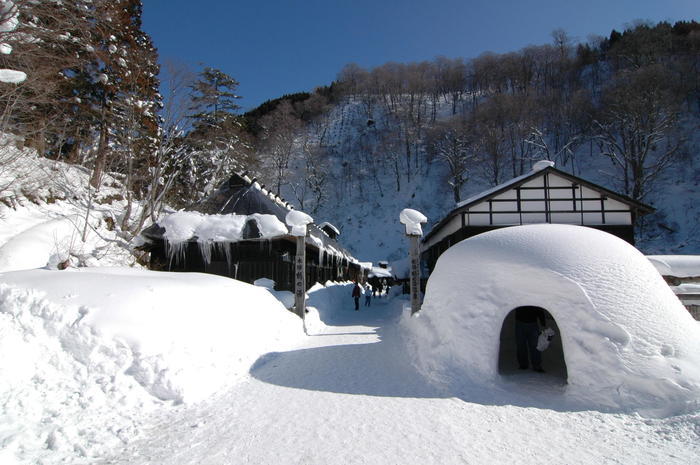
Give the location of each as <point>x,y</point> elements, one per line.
<point>626,339</point>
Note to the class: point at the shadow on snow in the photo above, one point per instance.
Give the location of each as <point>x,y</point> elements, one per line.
<point>384,368</point>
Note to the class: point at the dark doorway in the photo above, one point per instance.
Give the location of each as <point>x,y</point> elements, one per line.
<point>552,359</point>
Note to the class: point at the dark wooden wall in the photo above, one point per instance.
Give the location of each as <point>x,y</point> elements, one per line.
<point>251,260</point>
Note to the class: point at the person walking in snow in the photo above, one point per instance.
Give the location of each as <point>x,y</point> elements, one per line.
<point>527,330</point>
<point>356,293</point>
<point>368,294</point>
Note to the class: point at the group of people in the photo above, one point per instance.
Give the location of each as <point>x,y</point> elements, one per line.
<point>369,291</point>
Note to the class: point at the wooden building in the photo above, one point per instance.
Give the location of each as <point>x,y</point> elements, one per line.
<point>544,195</point>
<point>251,255</point>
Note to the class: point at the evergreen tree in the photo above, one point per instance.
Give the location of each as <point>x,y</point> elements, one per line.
<point>213,100</point>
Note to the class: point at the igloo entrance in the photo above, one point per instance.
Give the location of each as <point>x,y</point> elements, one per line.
<point>553,361</point>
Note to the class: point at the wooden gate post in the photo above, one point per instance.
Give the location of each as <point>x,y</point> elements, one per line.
<point>300,277</point>
<point>414,255</point>
<point>298,222</point>
<point>412,219</point>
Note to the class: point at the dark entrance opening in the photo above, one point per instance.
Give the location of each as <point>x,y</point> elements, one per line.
<point>552,358</point>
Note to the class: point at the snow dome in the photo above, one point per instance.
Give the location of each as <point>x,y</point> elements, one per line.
<point>627,341</point>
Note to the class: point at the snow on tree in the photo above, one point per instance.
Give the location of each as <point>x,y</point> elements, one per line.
<point>8,23</point>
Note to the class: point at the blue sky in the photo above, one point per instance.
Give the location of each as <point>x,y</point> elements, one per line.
<point>274,47</point>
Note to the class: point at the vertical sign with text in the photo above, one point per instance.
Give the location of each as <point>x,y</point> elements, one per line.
<point>300,277</point>
<point>414,254</point>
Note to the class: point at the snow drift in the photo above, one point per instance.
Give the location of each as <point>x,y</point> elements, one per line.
<point>628,342</point>
<point>187,334</point>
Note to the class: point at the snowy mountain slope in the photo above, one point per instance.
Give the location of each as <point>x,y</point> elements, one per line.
<point>364,203</point>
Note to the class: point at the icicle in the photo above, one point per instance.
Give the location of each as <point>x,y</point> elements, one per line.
<point>175,251</point>
<point>228,254</point>
<point>205,248</point>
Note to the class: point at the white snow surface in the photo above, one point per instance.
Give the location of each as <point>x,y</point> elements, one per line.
<point>178,326</point>
<point>412,219</point>
<point>286,298</point>
<point>350,395</point>
<point>115,342</point>
<point>185,225</point>
<point>628,342</point>
<point>69,393</point>
<point>118,365</point>
<point>680,266</point>
<point>297,221</point>
<point>12,76</point>
<point>542,164</point>
<point>43,215</point>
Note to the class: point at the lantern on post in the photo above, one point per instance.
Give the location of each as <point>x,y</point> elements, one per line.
<point>297,222</point>
<point>412,219</point>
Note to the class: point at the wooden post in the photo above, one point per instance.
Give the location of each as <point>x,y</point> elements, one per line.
<point>413,219</point>
<point>298,222</point>
<point>300,278</point>
<point>414,254</point>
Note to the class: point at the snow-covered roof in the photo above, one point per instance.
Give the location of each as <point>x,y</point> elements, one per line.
<point>329,226</point>
<point>628,342</point>
<point>379,272</point>
<point>678,266</point>
<point>240,209</point>
<point>185,225</point>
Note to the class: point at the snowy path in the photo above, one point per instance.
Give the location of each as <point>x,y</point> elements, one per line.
<point>350,396</point>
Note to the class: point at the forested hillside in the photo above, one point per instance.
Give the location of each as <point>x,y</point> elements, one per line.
<point>623,111</point>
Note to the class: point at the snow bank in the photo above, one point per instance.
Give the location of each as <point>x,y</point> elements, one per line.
<point>87,352</point>
<point>43,212</point>
<point>323,301</point>
<point>34,247</point>
<point>628,342</point>
<point>286,298</point>
<point>184,335</point>
<point>56,376</point>
<point>679,266</point>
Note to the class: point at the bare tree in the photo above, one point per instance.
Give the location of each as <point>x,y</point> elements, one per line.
<point>277,142</point>
<point>454,144</point>
<point>637,127</point>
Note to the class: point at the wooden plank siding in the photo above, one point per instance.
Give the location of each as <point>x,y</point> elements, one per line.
<point>546,196</point>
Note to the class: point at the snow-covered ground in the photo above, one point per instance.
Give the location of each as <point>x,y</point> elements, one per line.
<point>350,395</point>
<point>347,393</point>
<point>108,363</point>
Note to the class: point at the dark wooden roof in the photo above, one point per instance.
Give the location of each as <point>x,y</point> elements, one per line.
<point>640,207</point>
<point>239,195</point>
